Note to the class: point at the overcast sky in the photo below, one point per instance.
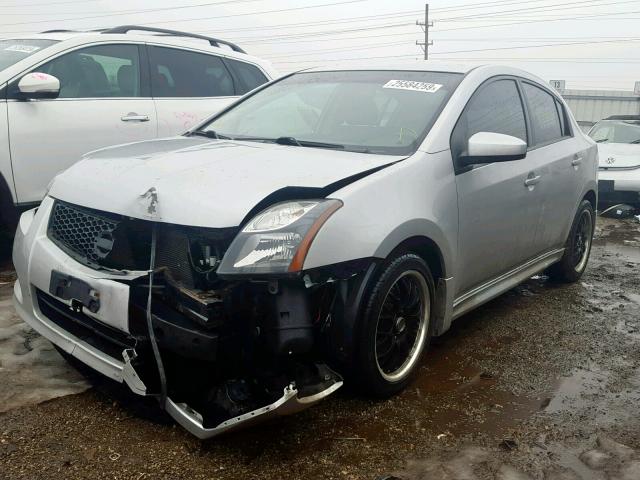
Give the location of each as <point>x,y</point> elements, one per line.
<point>589,43</point>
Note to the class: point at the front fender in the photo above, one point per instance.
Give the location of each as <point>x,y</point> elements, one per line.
<point>417,228</point>
<point>413,198</point>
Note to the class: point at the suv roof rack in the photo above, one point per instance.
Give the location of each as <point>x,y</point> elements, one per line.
<point>214,42</point>
<point>623,117</point>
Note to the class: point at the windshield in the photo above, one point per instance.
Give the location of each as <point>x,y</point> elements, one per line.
<point>387,112</point>
<point>12,51</point>
<point>623,131</point>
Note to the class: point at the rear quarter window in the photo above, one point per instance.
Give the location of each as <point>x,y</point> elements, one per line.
<point>181,73</point>
<point>247,76</point>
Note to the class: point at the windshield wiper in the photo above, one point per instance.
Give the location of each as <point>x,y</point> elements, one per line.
<point>292,141</point>
<point>635,141</point>
<point>602,140</point>
<point>208,134</point>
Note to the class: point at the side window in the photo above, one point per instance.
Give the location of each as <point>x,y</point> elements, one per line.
<point>496,108</point>
<point>97,72</point>
<point>564,121</point>
<point>181,73</point>
<point>248,76</point>
<point>544,115</point>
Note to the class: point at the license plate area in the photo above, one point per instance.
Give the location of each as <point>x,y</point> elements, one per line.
<point>79,292</point>
<point>605,186</point>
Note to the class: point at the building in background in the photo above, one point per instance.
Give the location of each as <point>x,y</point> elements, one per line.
<point>591,106</point>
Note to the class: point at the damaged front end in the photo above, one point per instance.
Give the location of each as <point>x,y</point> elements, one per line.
<point>223,325</point>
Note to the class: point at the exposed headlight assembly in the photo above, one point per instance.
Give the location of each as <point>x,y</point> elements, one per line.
<point>277,240</point>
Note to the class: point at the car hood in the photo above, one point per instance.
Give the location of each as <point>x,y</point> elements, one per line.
<point>619,155</point>
<point>201,182</point>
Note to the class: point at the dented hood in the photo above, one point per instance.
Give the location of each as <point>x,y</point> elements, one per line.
<point>198,181</point>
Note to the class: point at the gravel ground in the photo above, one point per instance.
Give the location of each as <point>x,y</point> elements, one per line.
<point>541,383</point>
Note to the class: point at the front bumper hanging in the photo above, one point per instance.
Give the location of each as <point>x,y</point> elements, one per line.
<point>290,402</point>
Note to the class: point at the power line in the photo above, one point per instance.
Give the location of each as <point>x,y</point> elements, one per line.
<point>129,12</point>
<point>187,20</point>
<point>386,44</point>
<point>599,15</point>
<point>586,60</point>
<point>276,38</point>
<point>405,13</point>
<point>538,46</point>
<point>475,50</point>
<point>385,16</point>
<point>412,33</point>
<point>22,5</point>
<point>258,13</point>
<point>540,9</point>
<point>500,3</point>
<point>325,33</point>
<point>335,50</point>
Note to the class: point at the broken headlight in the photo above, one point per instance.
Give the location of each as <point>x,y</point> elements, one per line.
<point>277,239</point>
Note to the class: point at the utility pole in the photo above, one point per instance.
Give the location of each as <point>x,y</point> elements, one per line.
<point>425,26</point>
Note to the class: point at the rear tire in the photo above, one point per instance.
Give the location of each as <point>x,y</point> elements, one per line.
<point>395,327</point>
<point>577,248</point>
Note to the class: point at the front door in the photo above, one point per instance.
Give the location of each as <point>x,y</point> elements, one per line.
<point>103,101</point>
<point>499,206</point>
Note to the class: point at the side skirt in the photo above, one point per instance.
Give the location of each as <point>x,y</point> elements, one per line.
<point>493,288</point>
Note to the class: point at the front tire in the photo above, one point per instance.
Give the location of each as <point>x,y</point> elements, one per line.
<point>577,248</point>
<point>395,327</point>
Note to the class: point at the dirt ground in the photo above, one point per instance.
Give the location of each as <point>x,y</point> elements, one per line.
<point>541,383</point>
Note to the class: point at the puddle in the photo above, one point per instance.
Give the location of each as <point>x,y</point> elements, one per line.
<point>449,398</point>
<point>596,460</point>
<point>31,371</point>
<point>577,390</point>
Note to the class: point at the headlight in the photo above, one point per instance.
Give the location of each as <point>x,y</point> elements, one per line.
<point>277,240</point>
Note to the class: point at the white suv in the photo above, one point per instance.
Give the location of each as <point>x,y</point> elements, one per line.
<point>65,93</point>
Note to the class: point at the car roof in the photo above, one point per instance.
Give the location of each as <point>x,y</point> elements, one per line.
<point>479,71</point>
<point>422,66</point>
<point>224,47</point>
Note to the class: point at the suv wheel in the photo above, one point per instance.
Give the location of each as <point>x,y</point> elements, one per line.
<point>578,247</point>
<point>395,327</point>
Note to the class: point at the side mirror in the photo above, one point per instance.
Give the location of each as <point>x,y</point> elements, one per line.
<point>488,147</point>
<point>39,85</point>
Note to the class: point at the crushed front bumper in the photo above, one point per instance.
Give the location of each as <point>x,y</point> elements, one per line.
<point>35,257</point>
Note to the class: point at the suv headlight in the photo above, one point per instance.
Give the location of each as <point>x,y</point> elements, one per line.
<point>277,239</point>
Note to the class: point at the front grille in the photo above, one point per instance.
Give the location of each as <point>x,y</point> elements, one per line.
<point>100,336</point>
<point>106,240</point>
<point>82,232</point>
<point>100,239</point>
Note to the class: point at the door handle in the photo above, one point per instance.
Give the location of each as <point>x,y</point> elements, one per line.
<point>134,117</point>
<point>576,161</point>
<point>530,181</point>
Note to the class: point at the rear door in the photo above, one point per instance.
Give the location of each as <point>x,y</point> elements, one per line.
<point>190,86</point>
<point>104,100</point>
<point>555,157</point>
<point>498,212</point>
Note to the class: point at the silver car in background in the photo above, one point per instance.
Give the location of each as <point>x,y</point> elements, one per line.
<point>325,226</point>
